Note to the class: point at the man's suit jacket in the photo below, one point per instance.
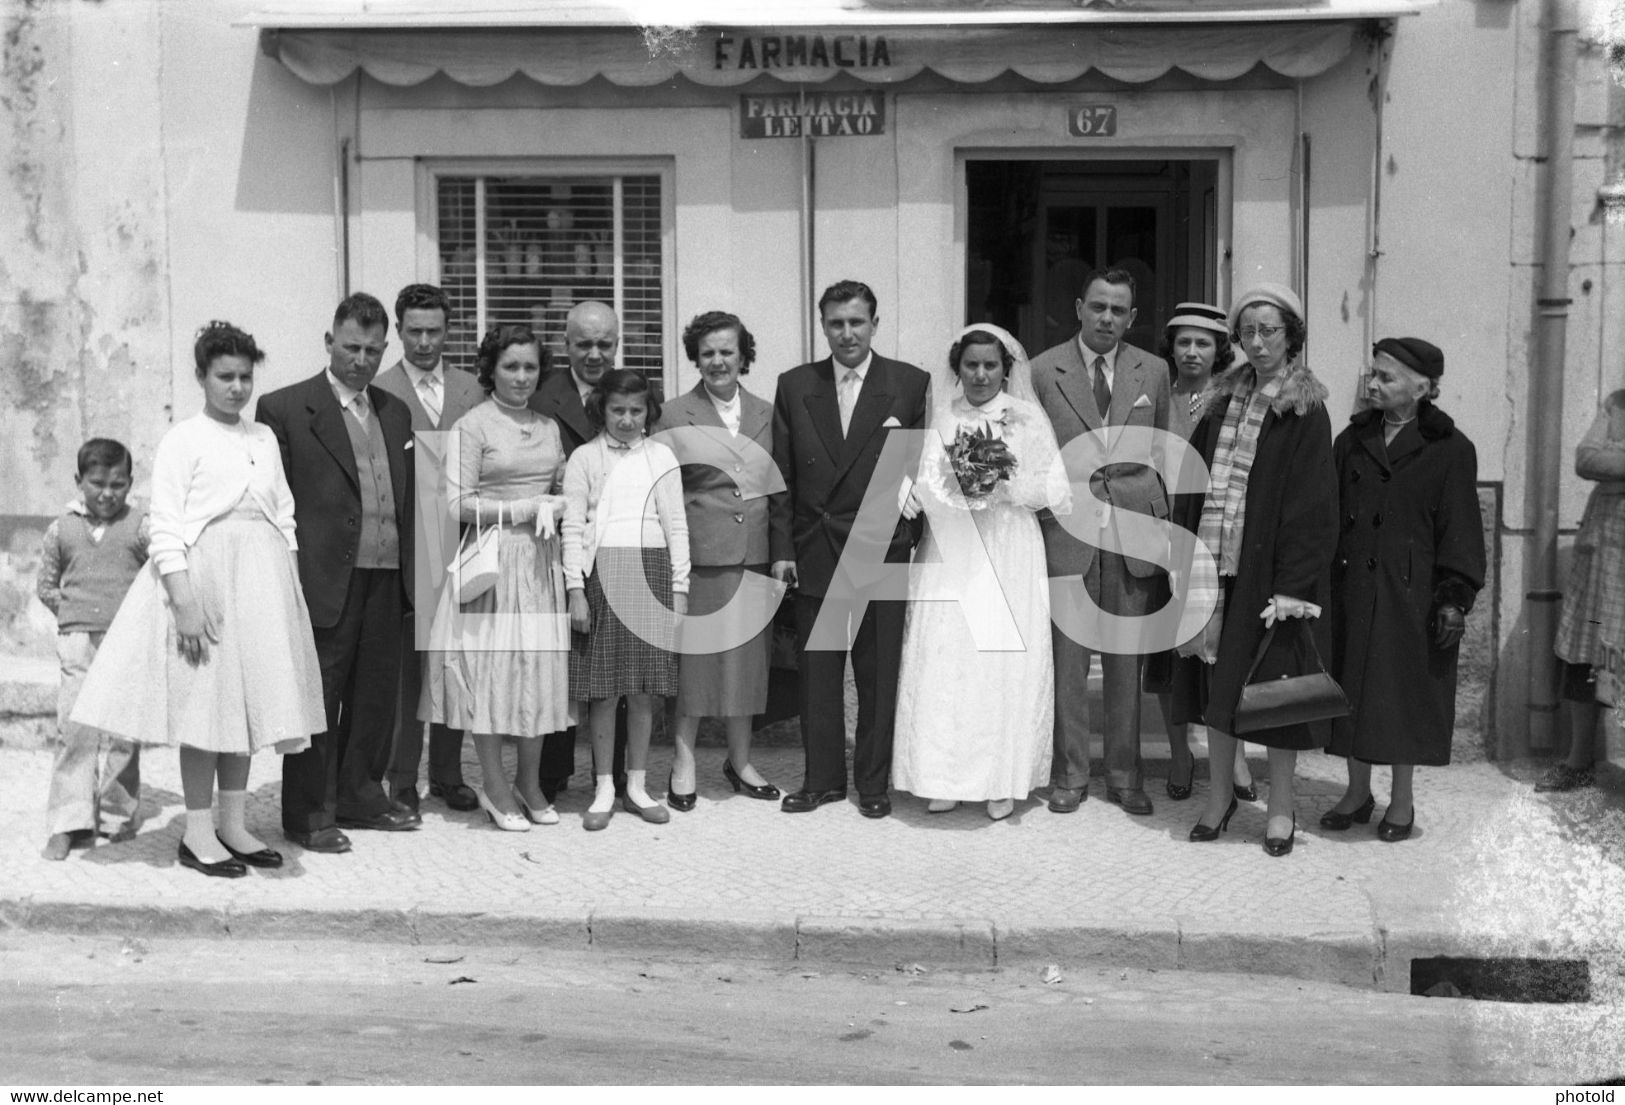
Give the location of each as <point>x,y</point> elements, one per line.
<point>436,525</point>
<point>320,465</point>
<point>826,474</point>
<point>1140,397</point>
<point>461,394</point>
<point>726,497</point>
<point>558,398</point>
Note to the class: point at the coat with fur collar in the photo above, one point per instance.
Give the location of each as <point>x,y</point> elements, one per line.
<point>1287,547</point>
<point>1412,540</point>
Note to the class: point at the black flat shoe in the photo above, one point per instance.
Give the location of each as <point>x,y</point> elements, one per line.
<point>682,803</point>
<point>456,796</point>
<point>1280,846</point>
<point>1248,793</point>
<point>225,869</point>
<point>265,857</point>
<point>1179,792</point>
<point>1201,834</point>
<point>805,801</point>
<point>1332,819</point>
<point>1392,833</point>
<point>768,793</point>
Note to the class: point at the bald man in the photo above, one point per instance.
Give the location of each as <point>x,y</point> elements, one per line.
<point>592,337</point>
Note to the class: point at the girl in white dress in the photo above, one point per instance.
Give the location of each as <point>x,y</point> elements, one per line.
<point>212,648</point>
<point>975,697</point>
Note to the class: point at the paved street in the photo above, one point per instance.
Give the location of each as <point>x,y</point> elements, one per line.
<point>137,1012</point>
<point>1493,870</point>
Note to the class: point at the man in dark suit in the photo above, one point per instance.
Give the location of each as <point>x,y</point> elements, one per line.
<point>437,396</point>
<point>1090,381</point>
<point>831,420</point>
<point>592,337</point>
<point>346,451</point>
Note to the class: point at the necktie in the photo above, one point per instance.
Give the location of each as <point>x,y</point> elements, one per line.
<point>359,407</point>
<point>848,397</point>
<point>1103,392</point>
<point>429,396</point>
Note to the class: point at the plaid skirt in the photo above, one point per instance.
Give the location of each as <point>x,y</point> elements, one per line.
<point>611,660</point>
<point>1592,623</point>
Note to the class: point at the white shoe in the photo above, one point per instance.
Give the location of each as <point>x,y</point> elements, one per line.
<point>547,815</point>
<point>1000,808</point>
<point>941,805</point>
<point>507,822</point>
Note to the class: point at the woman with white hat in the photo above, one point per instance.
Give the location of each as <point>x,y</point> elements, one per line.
<point>1269,517</point>
<point>1195,343</point>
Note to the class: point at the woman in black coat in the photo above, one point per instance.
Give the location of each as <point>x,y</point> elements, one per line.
<point>1269,517</point>
<point>1409,563</point>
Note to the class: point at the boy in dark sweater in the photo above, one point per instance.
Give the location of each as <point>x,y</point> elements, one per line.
<point>91,556</point>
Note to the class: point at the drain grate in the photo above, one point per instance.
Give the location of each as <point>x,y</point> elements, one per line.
<point>1502,979</point>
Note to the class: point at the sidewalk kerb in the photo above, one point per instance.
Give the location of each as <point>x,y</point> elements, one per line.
<point>968,943</point>
<point>1140,942</point>
<point>763,936</point>
<point>1347,955</point>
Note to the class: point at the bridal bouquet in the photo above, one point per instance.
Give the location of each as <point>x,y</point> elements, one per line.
<point>980,462</point>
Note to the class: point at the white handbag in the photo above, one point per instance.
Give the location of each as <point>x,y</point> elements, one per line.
<point>475,571</point>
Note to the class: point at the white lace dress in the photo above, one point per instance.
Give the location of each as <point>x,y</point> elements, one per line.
<point>975,697</point>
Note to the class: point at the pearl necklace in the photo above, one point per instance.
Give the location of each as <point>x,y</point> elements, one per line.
<point>1397,421</point>
<point>527,427</point>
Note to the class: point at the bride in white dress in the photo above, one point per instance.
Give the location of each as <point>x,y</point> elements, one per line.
<point>975,700</point>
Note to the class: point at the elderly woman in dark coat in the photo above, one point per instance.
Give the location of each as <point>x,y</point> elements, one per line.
<point>1409,563</point>
<point>1269,517</point>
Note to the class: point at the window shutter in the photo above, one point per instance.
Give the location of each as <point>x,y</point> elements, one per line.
<point>525,249</point>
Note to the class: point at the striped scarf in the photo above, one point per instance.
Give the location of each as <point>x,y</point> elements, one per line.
<point>1224,509</point>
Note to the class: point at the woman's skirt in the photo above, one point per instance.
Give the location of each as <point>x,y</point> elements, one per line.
<point>500,664</point>
<point>612,660</point>
<point>1593,619</point>
<point>261,686</point>
<point>722,684</point>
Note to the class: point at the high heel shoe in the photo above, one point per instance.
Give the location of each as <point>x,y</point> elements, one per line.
<point>547,815</point>
<point>1333,819</point>
<point>1177,791</point>
<point>1248,793</point>
<point>1201,834</point>
<point>1280,846</point>
<point>768,793</point>
<point>1392,833</point>
<point>682,803</point>
<point>507,822</point>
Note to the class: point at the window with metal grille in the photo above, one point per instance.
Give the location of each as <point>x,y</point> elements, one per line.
<point>527,248</point>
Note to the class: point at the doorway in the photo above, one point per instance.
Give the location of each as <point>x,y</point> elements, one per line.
<point>1036,228</point>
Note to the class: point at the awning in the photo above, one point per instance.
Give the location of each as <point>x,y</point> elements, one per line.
<point>405,42</point>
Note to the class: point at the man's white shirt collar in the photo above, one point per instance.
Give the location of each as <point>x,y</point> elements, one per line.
<point>1089,356</point>
<point>345,395</point>
<point>862,368</point>
<point>417,375</point>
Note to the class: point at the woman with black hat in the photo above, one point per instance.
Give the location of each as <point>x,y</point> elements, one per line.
<point>1410,561</point>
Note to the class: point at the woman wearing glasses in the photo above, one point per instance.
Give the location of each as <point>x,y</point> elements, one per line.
<point>1269,518</point>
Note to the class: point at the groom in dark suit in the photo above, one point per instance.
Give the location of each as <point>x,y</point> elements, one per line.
<point>346,452</point>
<point>831,420</point>
<point>1091,381</point>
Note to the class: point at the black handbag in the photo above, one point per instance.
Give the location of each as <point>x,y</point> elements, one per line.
<point>1291,699</point>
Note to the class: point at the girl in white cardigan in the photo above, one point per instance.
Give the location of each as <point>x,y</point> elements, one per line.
<point>626,571</point>
<point>212,648</point>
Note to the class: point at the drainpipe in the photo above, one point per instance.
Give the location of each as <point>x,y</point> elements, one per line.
<point>1546,456</point>
<point>809,199</point>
